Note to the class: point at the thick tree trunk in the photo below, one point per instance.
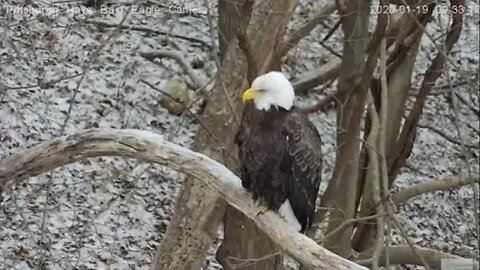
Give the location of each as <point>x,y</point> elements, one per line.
<point>244,245</point>
<point>341,193</point>
<point>199,210</point>
<point>228,17</point>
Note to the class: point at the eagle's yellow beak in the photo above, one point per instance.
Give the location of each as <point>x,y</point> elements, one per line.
<point>249,94</point>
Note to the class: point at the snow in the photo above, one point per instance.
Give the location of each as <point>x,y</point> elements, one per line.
<point>110,213</point>
<point>286,212</point>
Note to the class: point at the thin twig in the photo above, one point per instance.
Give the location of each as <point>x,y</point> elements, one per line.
<point>331,31</point>
<point>407,135</point>
<point>88,65</point>
<point>347,222</point>
<point>293,38</point>
<point>217,62</point>
<point>148,30</point>
<point>319,106</point>
<point>465,102</point>
<point>448,137</point>
<point>329,49</point>
<point>374,178</point>
<point>454,106</point>
<point>44,222</point>
<point>177,57</point>
<point>72,101</point>
<point>187,109</point>
<point>383,112</point>
<point>441,51</point>
<point>405,236</point>
<point>126,189</point>
<point>190,105</point>
<point>43,84</point>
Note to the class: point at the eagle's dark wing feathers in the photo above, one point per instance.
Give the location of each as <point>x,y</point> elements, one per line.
<point>302,161</point>
<point>244,175</point>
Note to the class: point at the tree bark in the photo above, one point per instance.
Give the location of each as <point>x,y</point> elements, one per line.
<point>399,82</point>
<point>244,246</point>
<point>340,195</point>
<point>317,76</point>
<point>228,17</point>
<point>405,255</point>
<point>399,144</point>
<point>199,210</point>
<point>151,147</point>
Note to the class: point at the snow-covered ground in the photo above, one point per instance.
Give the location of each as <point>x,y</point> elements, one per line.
<point>110,213</point>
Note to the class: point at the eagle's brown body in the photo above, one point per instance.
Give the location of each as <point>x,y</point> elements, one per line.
<point>280,153</point>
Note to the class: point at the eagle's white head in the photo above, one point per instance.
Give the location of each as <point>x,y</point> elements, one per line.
<point>271,89</point>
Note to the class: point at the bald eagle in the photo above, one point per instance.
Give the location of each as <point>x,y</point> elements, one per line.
<point>279,151</point>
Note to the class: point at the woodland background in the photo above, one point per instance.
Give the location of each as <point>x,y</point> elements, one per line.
<point>64,71</point>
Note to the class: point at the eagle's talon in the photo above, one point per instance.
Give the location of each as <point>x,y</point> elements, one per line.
<point>263,210</point>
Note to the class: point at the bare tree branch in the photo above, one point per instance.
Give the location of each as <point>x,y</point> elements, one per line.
<point>404,255</point>
<point>352,97</point>
<point>177,57</point>
<point>411,245</point>
<point>407,136</point>
<point>429,186</point>
<point>293,38</point>
<point>447,137</point>
<point>87,67</point>
<point>148,30</point>
<point>318,76</point>
<point>468,104</point>
<point>320,106</point>
<point>348,222</point>
<point>243,41</point>
<point>43,84</point>
<point>384,116</point>
<point>153,148</point>
<point>373,177</point>
<point>399,73</point>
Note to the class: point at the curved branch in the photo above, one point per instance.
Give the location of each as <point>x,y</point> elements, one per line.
<point>415,190</point>
<point>404,255</point>
<point>152,147</point>
<point>293,38</point>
